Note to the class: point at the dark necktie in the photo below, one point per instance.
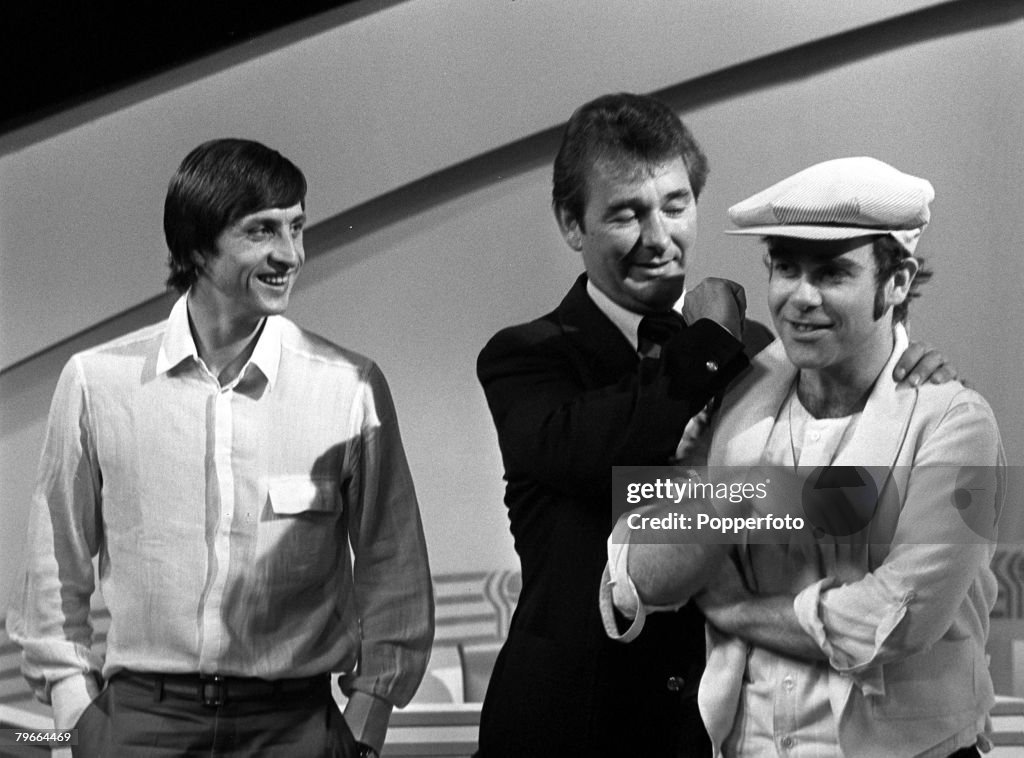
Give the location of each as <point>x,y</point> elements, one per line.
<point>655,330</point>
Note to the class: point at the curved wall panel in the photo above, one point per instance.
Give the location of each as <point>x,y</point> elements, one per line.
<point>365,99</point>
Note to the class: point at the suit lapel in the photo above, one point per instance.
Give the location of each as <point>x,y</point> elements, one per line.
<point>874,448</point>
<point>599,349</point>
<point>760,391</point>
<point>882,428</point>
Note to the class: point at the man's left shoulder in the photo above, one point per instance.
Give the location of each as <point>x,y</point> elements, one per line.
<point>941,398</point>
<point>952,405</point>
<point>303,344</point>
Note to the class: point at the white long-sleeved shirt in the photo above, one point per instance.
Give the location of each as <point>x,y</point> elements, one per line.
<point>268,528</point>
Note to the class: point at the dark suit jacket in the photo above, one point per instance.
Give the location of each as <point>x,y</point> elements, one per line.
<point>569,402</point>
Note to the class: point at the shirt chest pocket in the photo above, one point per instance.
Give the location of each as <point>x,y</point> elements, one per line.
<point>301,497</point>
<point>298,538</point>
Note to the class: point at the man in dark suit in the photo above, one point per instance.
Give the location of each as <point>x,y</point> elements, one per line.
<point>611,377</point>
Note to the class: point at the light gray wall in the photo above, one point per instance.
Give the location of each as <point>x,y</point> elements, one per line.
<point>436,248</point>
<point>366,99</point>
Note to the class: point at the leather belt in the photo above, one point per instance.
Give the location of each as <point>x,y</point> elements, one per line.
<point>213,690</point>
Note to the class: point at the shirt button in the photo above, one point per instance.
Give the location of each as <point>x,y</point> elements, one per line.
<point>787,742</point>
<point>674,683</point>
<point>788,683</point>
<point>711,366</point>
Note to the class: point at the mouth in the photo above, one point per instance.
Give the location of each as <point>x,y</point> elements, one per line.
<point>274,280</point>
<point>808,328</point>
<point>656,269</point>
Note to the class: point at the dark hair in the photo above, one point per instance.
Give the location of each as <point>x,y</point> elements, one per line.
<point>621,128</point>
<point>889,254</point>
<point>217,184</point>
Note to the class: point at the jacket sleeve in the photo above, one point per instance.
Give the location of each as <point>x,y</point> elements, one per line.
<point>49,613</point>
<point>566,432</point>
<point>939,556</point>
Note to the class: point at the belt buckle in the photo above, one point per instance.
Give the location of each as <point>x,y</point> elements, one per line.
<point>213,690</point>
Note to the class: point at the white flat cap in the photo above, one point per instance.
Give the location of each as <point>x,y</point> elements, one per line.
<point>839,199</point>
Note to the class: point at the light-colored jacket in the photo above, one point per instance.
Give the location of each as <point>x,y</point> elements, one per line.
<point>922,677</point>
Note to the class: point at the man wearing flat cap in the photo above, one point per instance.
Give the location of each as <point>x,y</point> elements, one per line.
<point>869,643</point>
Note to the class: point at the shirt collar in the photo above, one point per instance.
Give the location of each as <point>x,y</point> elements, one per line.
<point>178,345</point>
<point>626,320</point>
<point>267,354</point>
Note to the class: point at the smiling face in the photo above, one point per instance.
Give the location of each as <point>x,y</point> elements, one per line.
<point>638,226</point>
<point>251,273</point>
<point>822,297</point>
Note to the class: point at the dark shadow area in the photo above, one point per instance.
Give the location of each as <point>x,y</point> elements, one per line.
<point>57,55</point>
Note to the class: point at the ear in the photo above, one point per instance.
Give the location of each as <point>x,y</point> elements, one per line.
<point>898,286</point>
<point>570,228</point>
<point>198,260</point>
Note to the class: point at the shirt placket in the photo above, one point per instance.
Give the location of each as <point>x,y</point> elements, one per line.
<point>212,649</point>
<point>785,709</point>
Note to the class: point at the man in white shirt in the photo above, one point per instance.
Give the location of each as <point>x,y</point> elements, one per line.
<point>243,485</point>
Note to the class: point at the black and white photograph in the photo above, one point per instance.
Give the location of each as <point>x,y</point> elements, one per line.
<point>512,379</point>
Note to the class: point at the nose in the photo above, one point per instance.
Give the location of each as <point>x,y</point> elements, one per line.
<point>806,295</point>
<point>287,250</point>
<point>654,233</point>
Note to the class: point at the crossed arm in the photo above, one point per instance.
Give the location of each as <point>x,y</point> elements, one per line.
<point>854,618</point>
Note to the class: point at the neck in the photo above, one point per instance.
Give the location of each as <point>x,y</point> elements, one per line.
<point>224,344</point>
<point>842,389</point>
<point>823,399</point>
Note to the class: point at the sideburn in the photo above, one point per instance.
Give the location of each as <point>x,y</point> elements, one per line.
<point>879,309</point>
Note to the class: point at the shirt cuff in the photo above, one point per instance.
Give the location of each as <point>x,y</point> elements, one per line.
<point>621,596</point>
<point>70,697</point>
<point>618,593</point>
<point>805,605</point>
<point>367,717</point>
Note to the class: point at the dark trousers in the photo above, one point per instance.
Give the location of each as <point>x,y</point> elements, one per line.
<point>135,718</point>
